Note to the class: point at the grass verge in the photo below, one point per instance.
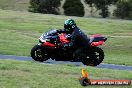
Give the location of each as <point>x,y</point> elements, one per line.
<point>20,5</point>
<point>28,74</point>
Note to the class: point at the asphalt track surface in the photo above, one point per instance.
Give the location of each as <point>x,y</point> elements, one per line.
<point>108,66</point>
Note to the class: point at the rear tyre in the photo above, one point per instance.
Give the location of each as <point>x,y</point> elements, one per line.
<point>95,57</point>
<point>38,54</point>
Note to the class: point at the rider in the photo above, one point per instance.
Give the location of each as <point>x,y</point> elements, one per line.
<point>77,36</point>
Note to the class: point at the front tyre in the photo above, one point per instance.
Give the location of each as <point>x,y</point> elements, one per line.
<point>37,53</point>
<point>95,57</point>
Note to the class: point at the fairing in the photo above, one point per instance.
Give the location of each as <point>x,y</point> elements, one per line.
<point>97,39</point>
<point>51,41</point>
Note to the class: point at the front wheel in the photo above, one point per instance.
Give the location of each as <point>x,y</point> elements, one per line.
<point>38,54</point>
<point>95,57</point>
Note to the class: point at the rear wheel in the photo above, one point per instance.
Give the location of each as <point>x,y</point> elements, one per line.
<point>95,57</point>
<point>38,54</point>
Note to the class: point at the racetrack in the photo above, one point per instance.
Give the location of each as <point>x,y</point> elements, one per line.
<point>108,66</point>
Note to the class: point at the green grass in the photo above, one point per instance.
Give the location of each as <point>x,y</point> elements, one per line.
<point>19,31</point>
<point>28,74</point>
<point>20,5</point>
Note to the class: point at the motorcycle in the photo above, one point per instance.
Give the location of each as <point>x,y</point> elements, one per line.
<point>49,47</point>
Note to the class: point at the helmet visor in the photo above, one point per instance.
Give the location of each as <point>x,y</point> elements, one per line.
<point>67,27</point>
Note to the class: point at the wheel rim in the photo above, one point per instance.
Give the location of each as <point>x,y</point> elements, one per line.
<point>89,62</point>
<point>38,54</point>
<point>94,57</point>
<point>98,57</point>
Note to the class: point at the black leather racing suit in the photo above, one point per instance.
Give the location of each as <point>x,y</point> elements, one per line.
<point>79,39</point>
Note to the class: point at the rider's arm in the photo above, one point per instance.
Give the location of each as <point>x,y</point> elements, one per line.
<point>60,31</point>
<point>72,41</point>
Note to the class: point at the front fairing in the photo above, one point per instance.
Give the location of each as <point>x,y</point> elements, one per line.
<point>48,36</point>
<point>43,38</point>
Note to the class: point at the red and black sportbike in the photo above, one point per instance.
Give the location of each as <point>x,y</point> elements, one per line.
<point>50,48</point>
